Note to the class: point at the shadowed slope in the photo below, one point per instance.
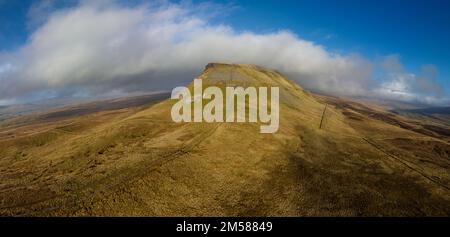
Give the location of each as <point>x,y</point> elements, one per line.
<point>324,160</point>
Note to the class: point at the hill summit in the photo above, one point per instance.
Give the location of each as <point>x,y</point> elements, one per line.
<point>330,157</point>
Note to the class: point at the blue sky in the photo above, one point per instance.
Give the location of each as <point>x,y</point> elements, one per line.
<point>415,34</point>
<point>417,30</point>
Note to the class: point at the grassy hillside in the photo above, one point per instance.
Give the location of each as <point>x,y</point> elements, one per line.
<point>330,157</point>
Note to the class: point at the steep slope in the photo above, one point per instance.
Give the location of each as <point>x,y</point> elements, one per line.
<point>325,159</point>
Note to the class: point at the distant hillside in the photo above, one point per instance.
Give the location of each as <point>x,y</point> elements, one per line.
<point>58,110</point>
<point>429,111</point>
<point>433,116</point>
<point>330,157</point>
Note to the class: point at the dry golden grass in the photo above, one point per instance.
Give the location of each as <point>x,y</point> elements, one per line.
<point>362,161</point>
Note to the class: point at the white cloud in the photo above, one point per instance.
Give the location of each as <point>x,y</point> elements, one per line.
<point>103,47</point>
<point>6,67</point>
<point>399,84</point>
<point>392,64</point>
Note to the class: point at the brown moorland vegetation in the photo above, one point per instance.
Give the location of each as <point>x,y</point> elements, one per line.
<point>330,157</point>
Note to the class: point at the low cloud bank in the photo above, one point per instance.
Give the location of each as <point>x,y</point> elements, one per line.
<point>92,49</point>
